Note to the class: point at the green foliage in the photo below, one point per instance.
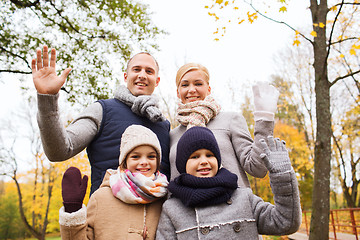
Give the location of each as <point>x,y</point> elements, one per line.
<point>95,38</point>
<point>11,226</point>
<point>35,198</point>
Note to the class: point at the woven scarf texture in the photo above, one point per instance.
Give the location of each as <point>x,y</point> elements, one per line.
<point>197,113</point>
<point>143,105</point>
<point>135,188</point>
<point>200,192</point>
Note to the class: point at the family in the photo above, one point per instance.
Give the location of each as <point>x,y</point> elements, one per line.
<point>150,182</point>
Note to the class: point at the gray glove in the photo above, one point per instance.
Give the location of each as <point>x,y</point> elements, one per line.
<point>276,157</point>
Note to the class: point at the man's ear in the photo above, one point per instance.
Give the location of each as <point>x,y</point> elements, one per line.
<point>157,81</point>
<point>125,77</point>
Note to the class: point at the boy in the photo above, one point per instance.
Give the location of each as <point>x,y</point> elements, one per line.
<point>207,204</point>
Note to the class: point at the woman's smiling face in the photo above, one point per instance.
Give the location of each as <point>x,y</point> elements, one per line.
<point>193,87</point>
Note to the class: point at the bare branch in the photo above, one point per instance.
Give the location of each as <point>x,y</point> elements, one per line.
<point>68,22</point>
<point>343,40</point>
<point>21,209</point>
<point>15,55</point>
<point>281,22</point>
<point>25,4</point>
<point>346,3</point>
<point>345,76</point>
<point>14,71</point>
<point>331,34</point>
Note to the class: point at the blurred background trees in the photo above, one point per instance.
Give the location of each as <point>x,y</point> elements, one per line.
<point>94,37</point>
<point>333,37</point>
<point>97,38</point>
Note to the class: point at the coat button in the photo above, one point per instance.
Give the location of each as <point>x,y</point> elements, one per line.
<point>237,227</point>
<point>229,201</point>
<point>205,231</point>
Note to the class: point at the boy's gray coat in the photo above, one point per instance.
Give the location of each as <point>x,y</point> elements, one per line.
<point>244,217</point>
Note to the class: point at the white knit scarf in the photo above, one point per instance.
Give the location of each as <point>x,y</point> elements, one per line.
<point>197,113</point>
<point>135,188</point>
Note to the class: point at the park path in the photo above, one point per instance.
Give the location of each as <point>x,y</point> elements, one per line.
<point>339,236</point>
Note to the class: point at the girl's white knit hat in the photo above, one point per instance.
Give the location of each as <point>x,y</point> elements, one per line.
<point>136,135</point>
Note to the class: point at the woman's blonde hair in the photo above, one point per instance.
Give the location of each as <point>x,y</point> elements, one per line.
<point>190,67</point>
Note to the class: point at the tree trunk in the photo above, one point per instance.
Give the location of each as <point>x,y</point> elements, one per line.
<point>319,227</point>
<point>22,214</point>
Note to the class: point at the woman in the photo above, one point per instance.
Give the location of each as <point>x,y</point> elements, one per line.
<point>198,108</point>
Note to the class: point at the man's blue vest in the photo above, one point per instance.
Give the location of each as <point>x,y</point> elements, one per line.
<point>103,152</point>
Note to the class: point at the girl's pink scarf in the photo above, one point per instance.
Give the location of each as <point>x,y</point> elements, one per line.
<point>135,188</point>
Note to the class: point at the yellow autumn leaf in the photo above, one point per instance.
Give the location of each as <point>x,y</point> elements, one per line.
<point>241,21</point>
<point>282,1</point>
<point>356,46</point>
<point>206,6</point>
<point>219,1</point>
<point>352,51</point>
<point>341,56</point>
<point>321,25</point>
<point>296,42</point>
<point>216,39</point>
<point>283,9</point>
<point>226,3</point>
<point>236,8</point>
<point>315,24</point>
<point>313,33</point>
<point>251,17</point>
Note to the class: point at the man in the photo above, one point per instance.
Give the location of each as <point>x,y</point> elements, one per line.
<point>100,126</point>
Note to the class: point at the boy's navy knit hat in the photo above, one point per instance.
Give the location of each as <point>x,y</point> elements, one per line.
<point>192,140</point>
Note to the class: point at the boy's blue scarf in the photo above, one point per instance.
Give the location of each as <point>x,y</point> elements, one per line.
<point>199,192</point>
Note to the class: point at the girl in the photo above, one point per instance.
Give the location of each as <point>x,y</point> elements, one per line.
<point>128,203</point>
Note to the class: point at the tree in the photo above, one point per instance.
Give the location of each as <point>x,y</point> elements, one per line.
<point>347,156</point>
<point>95,37</point>
<point>42,187</point>
<point>333,32</point>
<point>11,226</point>
<point>38,189</point>
<point>294,69</point>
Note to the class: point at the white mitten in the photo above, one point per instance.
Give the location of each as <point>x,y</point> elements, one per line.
<point>265,100</point>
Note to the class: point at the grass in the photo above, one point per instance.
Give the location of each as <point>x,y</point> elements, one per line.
<point>51,237</point>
